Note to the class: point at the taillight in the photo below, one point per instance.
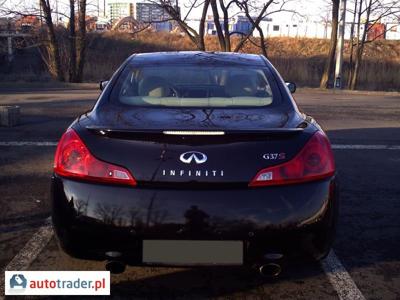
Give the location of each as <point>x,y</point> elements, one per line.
<point>74,160</point>
<point>315,161</point>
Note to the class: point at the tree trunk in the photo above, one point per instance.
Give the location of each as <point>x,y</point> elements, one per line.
<point>72,42</point>
<point>200,43</point>
<point>254,24</point>
<point>360,49</point>
<point>226,25</point>
<point>54,47</point>
<point>195,37</point>
<point>329,66</point>
<point>81,46</point>
<point>262,41</point>
<point>217,24</point>
<point>354,78</point>
<point>352,65</point>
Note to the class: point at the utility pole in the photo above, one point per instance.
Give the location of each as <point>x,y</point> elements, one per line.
<point>9,49</point>
<point>10,36</point>
<point>57,13</point>
<point>340,46</point>
<point>40,13</point>
<point>177,8</point>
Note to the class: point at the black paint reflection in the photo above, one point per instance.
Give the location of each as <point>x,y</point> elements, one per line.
<point>196,219</point>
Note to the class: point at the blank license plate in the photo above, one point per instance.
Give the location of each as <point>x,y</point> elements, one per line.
<point>178,252</point>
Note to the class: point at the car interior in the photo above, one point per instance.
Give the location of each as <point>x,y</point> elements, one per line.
<point>193,87</point>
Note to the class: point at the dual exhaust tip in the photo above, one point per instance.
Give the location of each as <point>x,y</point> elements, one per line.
<point>268,270</point>
<point>114,263</point>
<point>115,266</point>
<point>271,269</point>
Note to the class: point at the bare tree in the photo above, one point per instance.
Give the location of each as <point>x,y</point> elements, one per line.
<point>330,62</point>
<point>222,30</point>
<point>224,8</point>
<point>218,26</point>
<point>244,5</point>
<point>196,36</point>
<point>56,68</point>
<point>54,53</point>
<point>72,42</point>
<point>261,10</point>
<point>325,18</point>
<point>81,45</point>
<point>225,13</point>
<point>77,42</point>
<point>368,17</point>
<point>54,41</point>
<point>352,27</point>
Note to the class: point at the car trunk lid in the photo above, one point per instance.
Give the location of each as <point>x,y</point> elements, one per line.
<point>166,147</point>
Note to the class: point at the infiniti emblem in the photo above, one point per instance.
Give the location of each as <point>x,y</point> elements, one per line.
<point>189,156</point>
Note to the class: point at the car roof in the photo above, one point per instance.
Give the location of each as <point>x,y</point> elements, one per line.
<point>197,57</point>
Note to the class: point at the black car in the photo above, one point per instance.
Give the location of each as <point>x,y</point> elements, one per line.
<point>195,158</point>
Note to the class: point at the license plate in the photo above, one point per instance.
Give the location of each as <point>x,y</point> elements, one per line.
<point>178,252</point>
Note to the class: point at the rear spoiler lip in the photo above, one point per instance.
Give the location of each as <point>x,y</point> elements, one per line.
<point>277,131</point>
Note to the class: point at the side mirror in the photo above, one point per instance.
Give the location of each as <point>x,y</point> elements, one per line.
<point>291,86</point>
<point>103,84</point>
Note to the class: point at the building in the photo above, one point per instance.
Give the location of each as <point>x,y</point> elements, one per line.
<point>151,12</point>
<point>7,24</point>
<point>238,24</point>
<point>118,9</point>
<point>94,23</point>
<point>393,31</point>
<point>148,12</point>
<point>103,24</point>
<point>288,27</point>
<point>27,23</point>
<point>376,32</point>
<point>143,12</point>
<point>210,25</point>
<point>302,28</point>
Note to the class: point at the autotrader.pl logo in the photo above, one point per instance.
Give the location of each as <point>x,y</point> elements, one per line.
<point>56,283</point>
<point>18,281</point>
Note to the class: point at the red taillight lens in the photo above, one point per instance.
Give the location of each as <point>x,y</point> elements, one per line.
<point>73,159</point>
<point>315,161</point>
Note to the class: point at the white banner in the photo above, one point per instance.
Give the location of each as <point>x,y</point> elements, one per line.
<point>57,283</point>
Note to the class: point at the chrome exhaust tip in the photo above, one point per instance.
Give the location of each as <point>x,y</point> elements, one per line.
<point>115,266</point>
<point>270,270</point>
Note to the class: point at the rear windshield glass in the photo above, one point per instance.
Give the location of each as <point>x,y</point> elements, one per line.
<point>188,85</point>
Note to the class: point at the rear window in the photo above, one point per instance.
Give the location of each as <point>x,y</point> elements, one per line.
<point>193,86</point>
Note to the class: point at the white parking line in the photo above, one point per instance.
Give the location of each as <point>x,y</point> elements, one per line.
<point>29,252</point>
<point>337,274</point>
<point>333,268</point>
<point>340,279</point>
<point>334,146</point>
<point>365,147</point>
<point>14,143</point>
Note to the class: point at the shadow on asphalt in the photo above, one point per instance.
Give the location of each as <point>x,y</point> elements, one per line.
<point>210,281</point>
<point>367,136</point>
<point>368,230</point>
<point>369,224</point>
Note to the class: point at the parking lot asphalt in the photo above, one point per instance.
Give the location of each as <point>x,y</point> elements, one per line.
<point>368,238</point>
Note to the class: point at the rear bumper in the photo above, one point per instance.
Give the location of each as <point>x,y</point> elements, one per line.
<point>91,219</point>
